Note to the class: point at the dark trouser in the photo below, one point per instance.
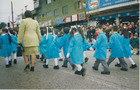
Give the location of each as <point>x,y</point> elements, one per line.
<point>122,62</point>
<point>66,60</point>
<point>104,64</point>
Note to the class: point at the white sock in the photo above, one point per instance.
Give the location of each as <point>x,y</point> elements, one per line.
<point>15,55</point>
<point>47,61</point>
<point>7,60</point>
<point>10,58</point>
<point>56,61</point>
<point>118,61</point>
<point>84,55</point>
<point>79,67</point>
<point>60,55</point>
<point>131,60</point>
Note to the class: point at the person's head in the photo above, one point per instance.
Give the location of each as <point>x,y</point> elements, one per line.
<point>42,32</point>
<point>49,30</point>
<point>114,24</point>
<point>81,32</point>
<point>99,29</point>
<point>56,31</point>
<point>130,26</point>
<point>28,14</point>
<point>115,28</point>
<point>66,30</point>
<point>73,30</point>
<point>91,27</point>
<point>125,33</point>
<point>4,30</point>
<point>135,36</point>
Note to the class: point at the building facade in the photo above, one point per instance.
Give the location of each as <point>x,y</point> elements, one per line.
<point>59,13</point>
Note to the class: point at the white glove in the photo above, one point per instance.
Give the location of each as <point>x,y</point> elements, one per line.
<point>91,48</point>
<point>68,55</point>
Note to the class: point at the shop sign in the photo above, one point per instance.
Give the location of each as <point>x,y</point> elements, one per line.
<point>74,17</point>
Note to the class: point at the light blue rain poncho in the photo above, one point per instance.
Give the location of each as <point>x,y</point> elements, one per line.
<point>14,44</point>
<point>52,50</point>
<point>42,47</point>
<point>64,43</point>
<point>76,49</point>
<point>115,43</point>
<point>126,47</point>
<point>6,47</point>
<point>101,46</point>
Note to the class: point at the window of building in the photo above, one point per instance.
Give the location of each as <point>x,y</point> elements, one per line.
<point>65,10</point>
<point>56,12</point>
<point>48,1</point>
<point>49,14</point>
<point>78,5</point>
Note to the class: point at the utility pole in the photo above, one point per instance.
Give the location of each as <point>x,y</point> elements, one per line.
<point>12,14</point>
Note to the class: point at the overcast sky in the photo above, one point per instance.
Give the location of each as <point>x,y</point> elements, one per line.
<point>18,5</point>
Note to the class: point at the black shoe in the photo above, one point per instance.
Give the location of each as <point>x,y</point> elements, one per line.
<point>118,65</point>
<point>10,63</point>
<point>103,72</point>
<point>95,68</point>
<point>123,69</point>
<point>32,68</point>
<point>56,67</point>
<point>78,72</point>
<point>45,66</point>
<point>73,67</point>
<point>60,59</point>
<point>86,59</point>
<point>83,72</point>
<point>7,66</point>
<point>64,66</point>
<point>15,61</point>
<point>133,66</point>
<point>27,67</point>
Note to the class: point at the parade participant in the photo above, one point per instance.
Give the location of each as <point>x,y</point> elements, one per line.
<point>52,51</point>
<point>42,47</point>
<point>65,44</point>
<point>75,51</point>
<point>29,33</point>
<point>100,54</point>
<point>85,44</point>
<point>127,49</point>
<point>5,41</point>
<point>115,44</point>
<point>14,47</point>
<point>135,43</point>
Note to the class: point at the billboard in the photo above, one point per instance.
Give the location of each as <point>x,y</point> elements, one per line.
<point>95,4</point>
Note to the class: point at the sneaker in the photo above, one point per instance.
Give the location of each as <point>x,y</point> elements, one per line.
<point>118,65</point>
<point>7,66</point>
<point>86,59</point>
<point>123,69</point>
<point>83,72</point>
<point>15,61</point>
<point>60,59</point>
<point>133,66</point>
<point>107,73</point>
<point>64,66</point>
<point>56,67</point>
<point>45,66</point>
<point>95,68</point>
<point>78,72</point>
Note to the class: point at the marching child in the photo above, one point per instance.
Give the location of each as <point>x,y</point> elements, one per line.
<point>52,51</point>
<point>14,47</point>
<point>115,44</point>
<point>75,51</point>
<point>5,41</point>
<point>100,54</point>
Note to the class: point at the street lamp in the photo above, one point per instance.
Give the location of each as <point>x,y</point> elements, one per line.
<point>26,7</point>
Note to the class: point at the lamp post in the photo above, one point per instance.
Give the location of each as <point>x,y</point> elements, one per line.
<point>26,7</point>
<point>12,13</point>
